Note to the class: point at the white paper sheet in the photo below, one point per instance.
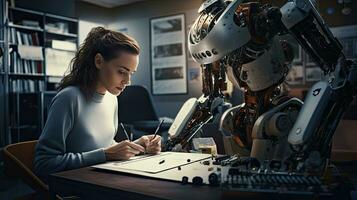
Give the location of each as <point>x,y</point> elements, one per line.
<point>155,163</point>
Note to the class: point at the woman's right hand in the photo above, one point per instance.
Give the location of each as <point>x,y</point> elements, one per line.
<point>123,150</point>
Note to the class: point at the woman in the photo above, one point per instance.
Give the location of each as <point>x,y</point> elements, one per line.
<point>83,118</point>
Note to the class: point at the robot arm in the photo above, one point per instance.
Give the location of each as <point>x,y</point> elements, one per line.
<point>306,25</point>
<point>191,117</point>
<point>327,100</point>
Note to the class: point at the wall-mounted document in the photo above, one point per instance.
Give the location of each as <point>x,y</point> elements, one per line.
<point>168,55</point>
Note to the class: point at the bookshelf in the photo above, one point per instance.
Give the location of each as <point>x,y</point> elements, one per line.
<point>37,48</point>
<point>3,53</point>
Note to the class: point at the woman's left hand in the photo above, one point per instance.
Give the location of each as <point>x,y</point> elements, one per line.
<point>152,145</point>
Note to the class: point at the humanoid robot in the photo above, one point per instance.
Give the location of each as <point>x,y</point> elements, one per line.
<point>243,42</point>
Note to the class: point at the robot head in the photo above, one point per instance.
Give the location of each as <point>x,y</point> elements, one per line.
<point>210,37</point>
<point>237,35</point>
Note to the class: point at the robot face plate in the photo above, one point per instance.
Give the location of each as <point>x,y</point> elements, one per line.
<point>217,44</point>
<point>266,70</point>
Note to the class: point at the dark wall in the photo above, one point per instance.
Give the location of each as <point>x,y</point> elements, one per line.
<point>89,12</point>
<point>69,8</point>
<point>62,7</point>
<point>336,18</point>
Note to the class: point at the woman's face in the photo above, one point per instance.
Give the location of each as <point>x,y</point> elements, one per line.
<point>115,74</point>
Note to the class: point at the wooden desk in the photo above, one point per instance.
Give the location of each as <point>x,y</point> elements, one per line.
<point>89,183</point>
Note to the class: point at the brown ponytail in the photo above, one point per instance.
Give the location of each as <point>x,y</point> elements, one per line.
<point>109,44</point>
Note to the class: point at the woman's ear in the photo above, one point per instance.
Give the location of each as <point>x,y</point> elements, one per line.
<point>98,61</point>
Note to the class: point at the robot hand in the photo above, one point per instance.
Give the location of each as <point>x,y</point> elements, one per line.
<point>190,119</point>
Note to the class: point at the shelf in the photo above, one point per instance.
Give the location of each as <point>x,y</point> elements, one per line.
<point>25,27</point>
<point>18,93</point>
<point>22,75</point>
<point>49,47</point>
<point>62,34</point>
<point>15,44</point>
<point>50,92</point>
<point>26,11</point>
<point>61,17</point>
<point>24,127</point>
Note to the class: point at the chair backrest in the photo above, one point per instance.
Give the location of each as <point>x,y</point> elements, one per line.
<point>135,105</point>
<point>19,159</point>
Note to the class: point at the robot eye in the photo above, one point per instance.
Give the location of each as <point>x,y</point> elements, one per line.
<point>214,51</point>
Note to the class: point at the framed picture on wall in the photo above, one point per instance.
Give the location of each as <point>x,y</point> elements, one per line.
<point>168,55</point>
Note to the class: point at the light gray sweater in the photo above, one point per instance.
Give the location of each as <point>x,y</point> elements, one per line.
<point>76,131</point>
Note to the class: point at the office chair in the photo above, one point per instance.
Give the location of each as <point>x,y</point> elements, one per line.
<point>18,159</point>
<point>136,110</point>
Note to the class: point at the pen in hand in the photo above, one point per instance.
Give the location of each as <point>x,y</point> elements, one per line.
<point>126,133</point>
<point>157,130</point>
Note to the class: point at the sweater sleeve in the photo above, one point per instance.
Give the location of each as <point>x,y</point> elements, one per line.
<point>116,123</point>
<point>51,155</point>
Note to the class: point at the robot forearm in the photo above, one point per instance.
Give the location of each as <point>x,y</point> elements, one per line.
<point>307,26</point>
<point>323,108</point>
<point>327,100</point>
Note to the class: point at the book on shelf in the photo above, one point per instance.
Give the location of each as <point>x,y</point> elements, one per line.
<point>20,38</point>
<point>54,79</point>
<point>63,45</point>
<point>27,52</point>
<point>27,60</point>
<point>57,61</point>
<point>26,85</point>
<point>57,27</point>
<point>30,23</point>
